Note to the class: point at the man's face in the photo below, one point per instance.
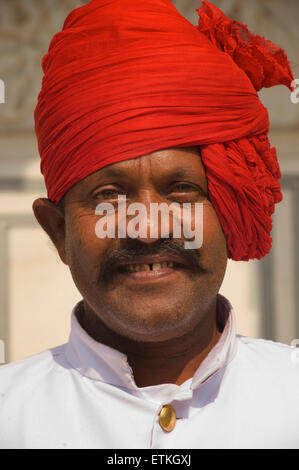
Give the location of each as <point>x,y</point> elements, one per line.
<point>122,280</point>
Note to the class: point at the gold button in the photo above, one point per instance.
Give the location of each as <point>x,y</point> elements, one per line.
<point>167,418</point>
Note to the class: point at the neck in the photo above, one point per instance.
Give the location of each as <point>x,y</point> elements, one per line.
<point>167,366</point>
<point>153,363</point>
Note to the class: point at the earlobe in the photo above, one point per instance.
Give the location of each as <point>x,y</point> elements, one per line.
<point>52,221</point>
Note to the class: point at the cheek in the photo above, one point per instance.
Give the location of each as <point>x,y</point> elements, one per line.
<point>84,249</point>
<point>214,240</point>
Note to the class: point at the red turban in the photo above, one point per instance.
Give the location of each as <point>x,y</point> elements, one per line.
<point>126,78</point>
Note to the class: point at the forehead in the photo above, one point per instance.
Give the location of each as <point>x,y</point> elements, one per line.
<point>158,166</point>
<point>159,162</point>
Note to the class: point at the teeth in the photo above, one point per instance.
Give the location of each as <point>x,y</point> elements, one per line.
<point>165,264</point>
<point>139,267</point>
<point>148,267</point>
<point>157,266</point>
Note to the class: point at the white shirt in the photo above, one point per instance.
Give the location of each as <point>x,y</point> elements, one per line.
<point>245,394</point>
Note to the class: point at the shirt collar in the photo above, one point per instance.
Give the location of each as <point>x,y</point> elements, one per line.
<point>105,364</point>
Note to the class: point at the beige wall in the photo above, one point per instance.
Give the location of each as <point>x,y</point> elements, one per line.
<point>36,290</point>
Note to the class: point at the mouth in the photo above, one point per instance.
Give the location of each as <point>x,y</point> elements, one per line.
<point>150,269</point>
<point>135,268</point>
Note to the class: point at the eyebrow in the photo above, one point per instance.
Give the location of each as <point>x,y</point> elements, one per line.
<point>123,173</point>
<point>182,173</point>
<point>178,173</point>
<point>175,174</point>
<point>114,172</point>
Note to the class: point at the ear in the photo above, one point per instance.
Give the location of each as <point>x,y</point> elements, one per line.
<point>52,221</point>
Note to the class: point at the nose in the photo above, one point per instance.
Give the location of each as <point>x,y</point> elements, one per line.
<point>152,224</point>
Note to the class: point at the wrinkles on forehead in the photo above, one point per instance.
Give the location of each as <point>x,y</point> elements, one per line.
<point>155,169</point>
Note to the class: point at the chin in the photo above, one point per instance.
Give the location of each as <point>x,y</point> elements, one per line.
<point>152,335</point>
<point>156,326</point>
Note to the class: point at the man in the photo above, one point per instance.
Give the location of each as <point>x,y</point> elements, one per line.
<point>137,103</point>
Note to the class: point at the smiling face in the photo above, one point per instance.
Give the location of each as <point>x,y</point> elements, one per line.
<point>146,289</point>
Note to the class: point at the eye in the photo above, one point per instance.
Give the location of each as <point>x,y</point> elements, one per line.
<point>183,187</point>
<point>108,193</point>
<point>183,191</point>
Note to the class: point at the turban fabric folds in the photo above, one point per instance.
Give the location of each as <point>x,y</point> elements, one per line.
<point>126,78</point>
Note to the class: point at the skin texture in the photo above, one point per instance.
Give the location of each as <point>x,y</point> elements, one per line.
<point>165,325</point>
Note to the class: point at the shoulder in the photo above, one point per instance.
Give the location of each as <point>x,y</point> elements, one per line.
<point>268,358</point>
<point>33,395</point>
<point>266,374</point>
<point>30,371</point>
<point>264,347</point>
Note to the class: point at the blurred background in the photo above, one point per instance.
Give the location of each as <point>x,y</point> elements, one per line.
<point>37,293</point>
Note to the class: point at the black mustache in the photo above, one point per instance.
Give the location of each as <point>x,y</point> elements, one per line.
<point>131,248</point>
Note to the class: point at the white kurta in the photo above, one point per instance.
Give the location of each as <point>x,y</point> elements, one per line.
<point>245,394</point>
